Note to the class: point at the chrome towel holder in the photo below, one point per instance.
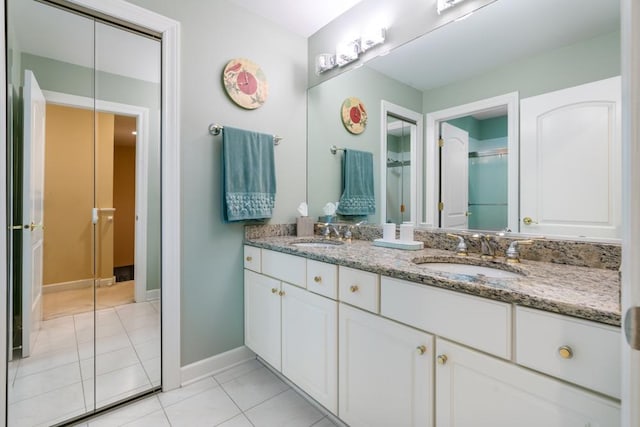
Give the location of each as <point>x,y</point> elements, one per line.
<point>215,129</point>
<point>334,149</point>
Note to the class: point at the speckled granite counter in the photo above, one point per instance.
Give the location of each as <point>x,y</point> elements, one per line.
<point>587,293</point>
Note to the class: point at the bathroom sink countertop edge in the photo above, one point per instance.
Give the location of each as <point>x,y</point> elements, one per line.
<point>587,293</point>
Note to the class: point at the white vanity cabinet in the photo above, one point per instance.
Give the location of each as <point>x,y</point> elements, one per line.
<point>474,389</point>
<point>310,344</point>
<point>262,316</point>
<point>390,352</point>
<point>292,329</point>
<point>386,372</point>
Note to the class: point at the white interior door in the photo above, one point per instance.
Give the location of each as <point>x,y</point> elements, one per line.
<point>570,161</point>
<point>32,210</point>
<point>454,177</point>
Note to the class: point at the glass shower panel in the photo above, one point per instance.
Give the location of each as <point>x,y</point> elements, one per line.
<point>128,206</point>
<point>51,304</point>
<point>488,191</point>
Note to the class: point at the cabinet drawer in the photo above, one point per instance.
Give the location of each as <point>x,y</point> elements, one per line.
<point>477,322</point>
<point>322,278</point>
<point>288,268</point>
<point>359,288</point>
<point>582,352</point>
<point>252,258</point>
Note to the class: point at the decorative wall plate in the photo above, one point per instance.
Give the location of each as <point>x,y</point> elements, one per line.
<point>354,115</point>
<point>245,83</point>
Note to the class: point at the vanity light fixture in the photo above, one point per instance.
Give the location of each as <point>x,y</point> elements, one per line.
<point>443,5</point>
<point>373,38</point>
<point>347,52</point>
<point>324,62</point>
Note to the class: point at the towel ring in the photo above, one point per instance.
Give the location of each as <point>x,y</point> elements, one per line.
<point>215,129</point>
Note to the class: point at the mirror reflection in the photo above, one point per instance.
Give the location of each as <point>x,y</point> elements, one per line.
<point>399,133</point>
<point>84,161</point>
<point>525,54</point>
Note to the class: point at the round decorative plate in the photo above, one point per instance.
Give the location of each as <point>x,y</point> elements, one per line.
<point>354,115</point>
<point>245,83</point>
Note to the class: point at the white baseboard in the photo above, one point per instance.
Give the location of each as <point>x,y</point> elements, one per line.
<point>212,365</point>
<point>77,284</point>
<point>153,294</point>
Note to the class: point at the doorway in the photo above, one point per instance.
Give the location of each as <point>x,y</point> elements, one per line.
<point>473,176</point>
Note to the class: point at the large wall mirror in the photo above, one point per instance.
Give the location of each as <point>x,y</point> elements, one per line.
<point>84,162</point>
<point>528,94</point>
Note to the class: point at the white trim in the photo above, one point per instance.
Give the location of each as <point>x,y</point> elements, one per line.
<point>3,218</point>
<point>416,142</point>
<point>152,294</point>
<point>142,176</point>
<point>170,193</point>
<point>630,282</point>
<point>218,363</point>
<point>430,160</point>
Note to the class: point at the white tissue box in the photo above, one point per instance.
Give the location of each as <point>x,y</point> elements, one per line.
<point>304,226</point>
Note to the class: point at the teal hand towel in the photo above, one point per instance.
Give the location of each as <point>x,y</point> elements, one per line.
<point>357,177</point>
<point>249,175</point>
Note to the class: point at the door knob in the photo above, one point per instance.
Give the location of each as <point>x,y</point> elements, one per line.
<point>317,279</point>
<point>33,226</point>
<point>354,288</point>
<point>249,259</point>
<point>274,290</point>
<point>422,349</point>
<point>442,359</point>
<point>528,221</point>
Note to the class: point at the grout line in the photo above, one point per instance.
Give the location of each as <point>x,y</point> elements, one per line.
<point>242,412</point>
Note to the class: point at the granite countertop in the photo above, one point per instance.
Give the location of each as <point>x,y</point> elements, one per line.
<point>587,293</point>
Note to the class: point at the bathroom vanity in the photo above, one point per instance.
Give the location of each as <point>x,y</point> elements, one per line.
<point>379,338</point>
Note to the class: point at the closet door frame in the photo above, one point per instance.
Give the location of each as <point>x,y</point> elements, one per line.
<point>169,29</point>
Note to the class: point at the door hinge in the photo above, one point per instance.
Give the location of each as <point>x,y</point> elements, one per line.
<point>441,206</point>
<point>441,143</point>
<point>632,327</point>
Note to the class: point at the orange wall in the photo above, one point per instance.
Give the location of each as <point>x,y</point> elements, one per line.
<point>124,193</point>
<point>69,171</point>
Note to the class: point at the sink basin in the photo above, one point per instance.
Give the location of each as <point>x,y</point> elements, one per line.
<point>469,267</point>
<point>316,244</point>
<point>471,270</point>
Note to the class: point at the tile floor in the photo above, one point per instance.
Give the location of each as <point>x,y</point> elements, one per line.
<point>58,380</point>
<point>247,395</point>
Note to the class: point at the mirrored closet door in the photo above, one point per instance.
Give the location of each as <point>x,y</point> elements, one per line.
<point>84,303</point>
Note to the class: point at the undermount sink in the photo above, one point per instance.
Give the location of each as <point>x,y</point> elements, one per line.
<point>470,269</point>
<point>317,244</point>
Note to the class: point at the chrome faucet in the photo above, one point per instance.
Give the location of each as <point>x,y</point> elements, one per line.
<point>513,254</point>
<point>328,228</point>
<point>461,249</point>
<point>488,245</point>
<point>348,234</point>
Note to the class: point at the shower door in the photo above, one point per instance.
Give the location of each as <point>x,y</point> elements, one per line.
<point>84,313</point>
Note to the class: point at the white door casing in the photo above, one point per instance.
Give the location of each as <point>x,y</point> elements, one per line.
<point>454,177</point>
<point>34,111</point>
<point>570,161</point>
<point>630,281</point>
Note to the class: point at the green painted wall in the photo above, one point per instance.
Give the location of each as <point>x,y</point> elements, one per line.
<point>583,62</point>
<point>211,34</point>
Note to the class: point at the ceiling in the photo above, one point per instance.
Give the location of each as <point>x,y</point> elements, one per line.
<point>302,17</point>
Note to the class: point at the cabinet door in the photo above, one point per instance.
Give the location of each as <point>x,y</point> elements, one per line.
<point>473,389</point>
<point>385,372</point>
<point>310,344</point>
<point>262,316</point>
